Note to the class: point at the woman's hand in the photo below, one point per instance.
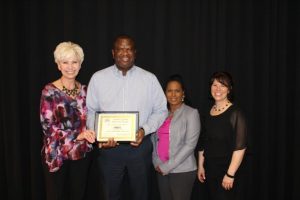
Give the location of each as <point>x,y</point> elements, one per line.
<point>159,170</point>
<point>88,135</point>
<point>201,174</point>
<point>227,182</point>
<point>201,170</point>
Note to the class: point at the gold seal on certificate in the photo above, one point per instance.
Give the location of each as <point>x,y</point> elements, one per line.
<point>122,126</point>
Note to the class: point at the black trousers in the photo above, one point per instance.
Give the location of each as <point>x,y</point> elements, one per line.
<point>176,186</point>
<point>70,181</point>
<point>114,163</point>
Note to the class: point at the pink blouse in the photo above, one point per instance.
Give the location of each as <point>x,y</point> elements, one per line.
<point>164,141</point>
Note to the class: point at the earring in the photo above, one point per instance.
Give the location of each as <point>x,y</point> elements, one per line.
<point>182,98</point>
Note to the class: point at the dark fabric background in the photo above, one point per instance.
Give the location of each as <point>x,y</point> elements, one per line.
<point>257,41</point>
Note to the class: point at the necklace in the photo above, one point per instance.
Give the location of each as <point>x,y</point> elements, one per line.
<point>220,109</point>
<point>72,92</point>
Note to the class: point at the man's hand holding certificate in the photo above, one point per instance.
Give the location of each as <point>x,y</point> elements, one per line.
<point>139,137</point>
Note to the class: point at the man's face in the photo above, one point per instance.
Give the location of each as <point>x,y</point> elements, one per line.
<point>124,54</point>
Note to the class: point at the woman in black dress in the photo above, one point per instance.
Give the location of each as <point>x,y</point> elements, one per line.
<point>223,142</point>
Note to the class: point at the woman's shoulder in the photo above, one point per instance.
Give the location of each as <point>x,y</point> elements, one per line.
<point>236,111</point>
<point>49,87</point>
<point>188,110</point>
<point>235,108</point>
<point>84,88</point>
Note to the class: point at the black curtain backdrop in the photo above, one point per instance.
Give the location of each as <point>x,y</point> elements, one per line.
<point>256,41</point>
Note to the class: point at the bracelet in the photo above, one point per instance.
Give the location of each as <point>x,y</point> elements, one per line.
<point>230,176</point>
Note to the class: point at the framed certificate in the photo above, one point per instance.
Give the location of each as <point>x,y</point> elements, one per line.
<point>122,126</point>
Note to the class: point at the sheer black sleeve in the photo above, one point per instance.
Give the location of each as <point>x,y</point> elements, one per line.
<point>239,125</point>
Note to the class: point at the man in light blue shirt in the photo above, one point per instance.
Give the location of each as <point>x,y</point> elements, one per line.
<point>126,87</point>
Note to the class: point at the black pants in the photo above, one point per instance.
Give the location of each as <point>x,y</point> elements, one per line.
<point>135,161</point>
<point>69,182</point>
<point>176,186</point>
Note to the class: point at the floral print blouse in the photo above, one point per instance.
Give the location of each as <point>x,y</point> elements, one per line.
<point>62,119</point>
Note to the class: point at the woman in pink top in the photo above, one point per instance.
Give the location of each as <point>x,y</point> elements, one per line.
<point>174,144</point>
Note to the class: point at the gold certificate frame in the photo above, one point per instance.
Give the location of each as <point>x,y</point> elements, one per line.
<point>122,126</point>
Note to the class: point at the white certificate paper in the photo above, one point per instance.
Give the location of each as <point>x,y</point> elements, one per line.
<point>122,126</point>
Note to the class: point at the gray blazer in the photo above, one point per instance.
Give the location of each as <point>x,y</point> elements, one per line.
<point>184,133</point>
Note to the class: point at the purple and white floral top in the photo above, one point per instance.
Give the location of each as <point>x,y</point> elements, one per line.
<point>62,119</point>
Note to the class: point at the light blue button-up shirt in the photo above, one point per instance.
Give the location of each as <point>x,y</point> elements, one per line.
<point>139,90</point>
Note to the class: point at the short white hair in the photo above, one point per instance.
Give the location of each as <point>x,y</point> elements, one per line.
<point>65,50</point>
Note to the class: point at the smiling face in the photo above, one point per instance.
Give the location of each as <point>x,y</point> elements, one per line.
<point>174,94</point>
<point>68,57</point>
<point>69,67</point>
<point>219,91</point>
<point>124,54</point>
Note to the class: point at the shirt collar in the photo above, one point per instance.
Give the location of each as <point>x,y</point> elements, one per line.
<point>118,72</point>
